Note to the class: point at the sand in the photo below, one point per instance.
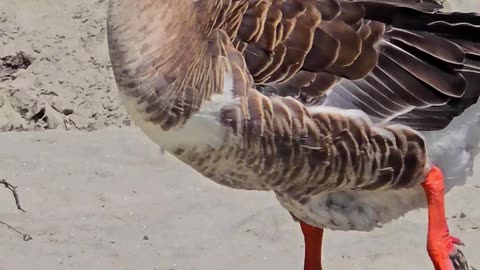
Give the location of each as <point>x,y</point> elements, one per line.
<point>69,83</point>
<point>108,199</point>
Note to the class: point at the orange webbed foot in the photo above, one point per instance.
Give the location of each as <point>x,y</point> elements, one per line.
<point>441,246</point>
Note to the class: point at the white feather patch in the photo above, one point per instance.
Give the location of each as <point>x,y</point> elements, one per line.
<point>202,130</point>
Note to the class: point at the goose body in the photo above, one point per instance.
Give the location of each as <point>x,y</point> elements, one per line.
<point>339,107</point>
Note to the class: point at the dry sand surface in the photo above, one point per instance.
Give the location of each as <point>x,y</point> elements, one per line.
<point>93,199</point>
<point>69,83</point>
<point>109,200</point>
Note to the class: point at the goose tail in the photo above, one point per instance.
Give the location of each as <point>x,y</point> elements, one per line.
<point>454,148</point>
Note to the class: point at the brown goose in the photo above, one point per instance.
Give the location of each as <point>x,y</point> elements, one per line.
<point>349,110</point>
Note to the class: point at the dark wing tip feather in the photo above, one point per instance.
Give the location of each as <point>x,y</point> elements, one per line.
<point>429,66</point>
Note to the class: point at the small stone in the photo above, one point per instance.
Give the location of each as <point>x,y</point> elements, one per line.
<point>462,215</point>
<point>145,237</point>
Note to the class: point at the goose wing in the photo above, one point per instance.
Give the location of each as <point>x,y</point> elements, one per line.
<point>397,60</point>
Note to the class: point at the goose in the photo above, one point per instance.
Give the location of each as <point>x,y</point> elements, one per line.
<point>353,112</point>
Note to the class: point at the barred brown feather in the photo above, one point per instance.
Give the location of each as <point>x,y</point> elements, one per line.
<point>319,87</point>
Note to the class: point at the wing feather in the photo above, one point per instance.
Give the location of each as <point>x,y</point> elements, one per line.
<point>387,58</point>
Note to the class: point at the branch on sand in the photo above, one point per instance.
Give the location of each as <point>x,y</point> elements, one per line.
<point>13,189</point>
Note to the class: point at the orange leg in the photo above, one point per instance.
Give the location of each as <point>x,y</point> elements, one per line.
<point>313,246</point>
<point>441,245</point>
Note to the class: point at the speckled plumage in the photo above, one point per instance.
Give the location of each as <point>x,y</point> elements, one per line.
<point>319,101</point>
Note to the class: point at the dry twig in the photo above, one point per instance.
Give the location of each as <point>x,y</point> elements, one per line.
<point>26,236</point>
<point>13,189</point>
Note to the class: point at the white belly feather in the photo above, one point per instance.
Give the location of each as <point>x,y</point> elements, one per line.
<point>203,129</point>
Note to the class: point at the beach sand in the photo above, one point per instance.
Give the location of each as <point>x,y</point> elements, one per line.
<point>110,200</point>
